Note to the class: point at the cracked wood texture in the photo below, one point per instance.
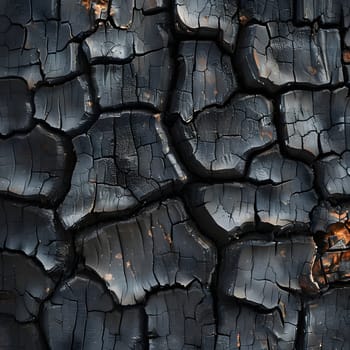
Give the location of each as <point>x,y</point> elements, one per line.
<point>174,174</point>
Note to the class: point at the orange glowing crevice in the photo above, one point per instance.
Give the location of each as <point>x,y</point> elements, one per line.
<point>99,6</point>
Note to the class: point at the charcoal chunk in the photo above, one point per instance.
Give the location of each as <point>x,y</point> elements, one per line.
<point>81,314</point>
<point>159,247</point>
<point>122,11</point>
<point>327,321</point>
<point>265,275</point>
<point>333,175</point>
<point>15,59</point>
<point>279,55</point>
<point>57,56</point>
<point>143,35</point>
<point>145,80</point>
<point>23,287</point>
<point>14,335</point>
<point>22,11</point>
<point>205,78</point>
<point>208,18</point>
<point>282,195</point>
<point>219,141</point>
<point>315,122</point>
<point>326,11</point>
<point>15,106</point>
<point>289,196</point>
<point>325,215</point>
<point>82,14</point>
<point>259,272</point>
<point>181,319</point>
<point>68,107</point>
<point>266,10</point>
<point>35,166</point>
<point>124,159</point>
<point>242,327</point>
<point>222,211</point>
<point>37,233</point>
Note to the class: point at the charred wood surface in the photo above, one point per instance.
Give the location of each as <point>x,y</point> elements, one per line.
<point>174,174</point>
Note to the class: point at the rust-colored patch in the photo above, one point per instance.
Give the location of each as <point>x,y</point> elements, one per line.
<point>168,238</point>
<point>283,253</point>
<point>99,6</point>
<point>346,56</point>
<point>157,117</point>
<point>256,57</point>
<point>206,19</point>
<point>266,133</point>
<point>312,70</point>
<point>86,4</point>
<point>238,341</point>
<point>340,232</point>
<point>243,20</point>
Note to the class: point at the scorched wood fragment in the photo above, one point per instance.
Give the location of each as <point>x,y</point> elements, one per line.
<point>122,11</point>
<point>219,141</point>
<point>181,319</point>
<point>159,247</point>
<point>325,11</point>
<point>124,160</point>
<point>24,336</point>
<point>15,106</point>
<point>37,233</point>
<point>142,35</point>
<point>260,272</point>
<point>282,194</point>
<point>205,78</point>
<point>265,10</point>
<point>222,211</point>
<point>243,326</point>
<point>327,321</point>
<point>278,55</point>
<point>316,123</point>
<point>144,81</point>
<point>82,315</point>
<point>23,286</point>
<point>208,19</point>
<point>68,107</point>
<point>35,166</point>
<point>286,195</point>
<point>270,276</point>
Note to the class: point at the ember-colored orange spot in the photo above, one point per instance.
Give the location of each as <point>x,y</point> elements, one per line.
<point>312,70</point>
<point>86,4</point>
<point>168,238</point>
<point>238,343</point>
<point>341,231</point>
<point>256,57</point>
<point>243,20</point>
<point>346,56</point>
<point>268,133</point>
<point>99,6</point>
